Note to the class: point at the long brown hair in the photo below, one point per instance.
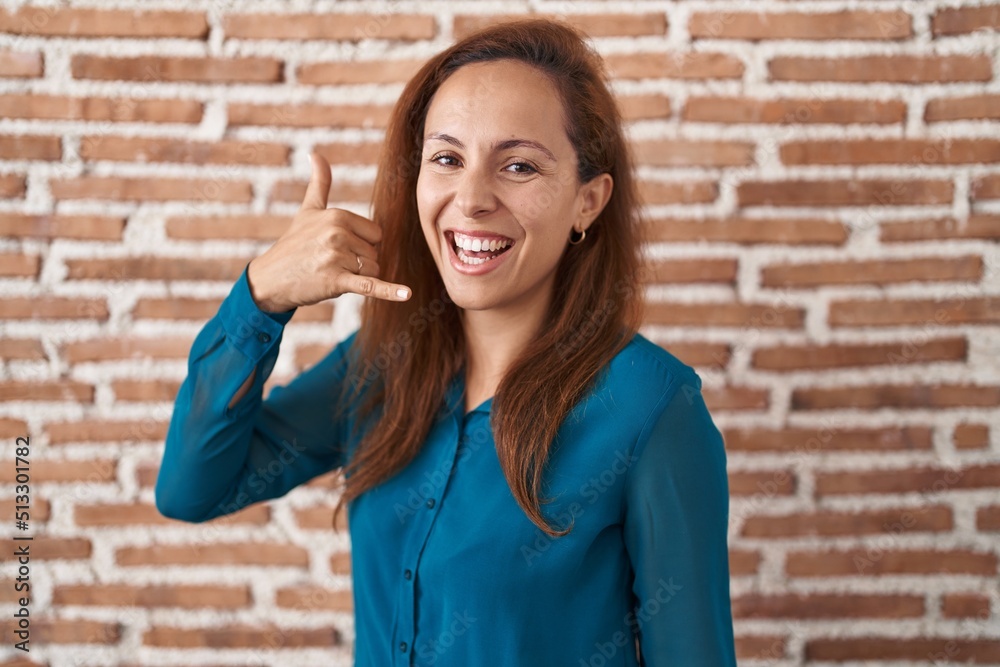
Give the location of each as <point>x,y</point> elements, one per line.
<point>419,343</point>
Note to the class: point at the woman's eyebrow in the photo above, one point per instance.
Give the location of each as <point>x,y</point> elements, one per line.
<point>497,146</point>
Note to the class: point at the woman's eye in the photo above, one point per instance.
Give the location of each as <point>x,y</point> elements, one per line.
<point>441,157</point>
<point>531,169</point>
<point>526,167</point>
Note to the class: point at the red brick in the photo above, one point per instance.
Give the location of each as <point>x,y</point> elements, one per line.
<point>228,554</point>
<point>117,514</point>
<point>53,308</point>
<point>40,509</point>
<point>914,650</point>
<point>901,396</point>
<point>135,149</point>
<point>969,107</point>
<point>96,471</point>
<point>842,24</point>
<point>687,191</point>
<point>844,192</point>
<point>122,110</point>
<point>22,348</point>
<point>340,191</point>
<point>102,430</point>
<point>47,390</point>
<point>766,482</point>
<point>358,72</point>
<point>240,636</point>
<point>340,563</point>
<point>90,227</point>
<point>743,563</point>
<point>309,598</point>
<point>827,605</point>
<point>145,189</point>
<point>959,20</point>
<point>44,547</point>
<point>320,518</point>
<point>629,24</point>
<point>965,605</point>
<point>19,64</point>
<point>674,65</point>
<point>986,187</point>
<point>730,398</point>
<point>976,226</point>
<point>701,354</point>
<point>30,147</point>
<point>850,355</point>
<point>366,152</point>
<point>108,348</point>
<point>12,186</point>
<point>873,272</point>
<point>151,69</point>
<point>309,115</point>
<point>330,26</point>
<point>761,648</point>
<point>878,562</point>
<point>725,314</point>
<point>145,390</point>
<point>914,152</point>
<point>263,227</point>
<point>971,436</point>
<point>12,428</point>
<point>925,518</point>
<point>153,267</point>
<point>930,312</point>
<point>47,631</point>
<point>922,480</point>
<point>751,231</point>
<point>644,107</point>
<point>721,270</point>
<point>681,153</point>
<point>792,111</point>
<point>810,440</point>
<point>891,68</point>
<point>988,518</point>
<point>124,595</point>
<point>16,265</point>
<point>82,22</point>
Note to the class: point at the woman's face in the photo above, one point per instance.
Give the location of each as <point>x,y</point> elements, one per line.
<point>497,166</point>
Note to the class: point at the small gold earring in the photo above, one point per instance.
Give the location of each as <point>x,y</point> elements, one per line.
<point>583,235</point>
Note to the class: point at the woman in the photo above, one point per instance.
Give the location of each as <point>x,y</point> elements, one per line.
<point>497,367</point>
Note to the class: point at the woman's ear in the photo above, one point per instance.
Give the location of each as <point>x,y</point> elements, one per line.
<point>594,196</point>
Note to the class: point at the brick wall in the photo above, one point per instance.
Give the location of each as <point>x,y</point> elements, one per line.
<point>825,178</point>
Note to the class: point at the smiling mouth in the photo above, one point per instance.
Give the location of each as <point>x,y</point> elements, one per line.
<point>468,255</point>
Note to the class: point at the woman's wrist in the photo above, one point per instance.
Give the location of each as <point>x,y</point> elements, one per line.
<point>260,296</point>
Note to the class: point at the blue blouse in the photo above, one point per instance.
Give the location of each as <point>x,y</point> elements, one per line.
<point>447,569</point>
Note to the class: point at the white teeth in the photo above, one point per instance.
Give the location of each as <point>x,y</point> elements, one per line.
<point>474,244</point>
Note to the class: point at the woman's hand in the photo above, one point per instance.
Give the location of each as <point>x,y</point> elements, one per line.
<point>317,256</point>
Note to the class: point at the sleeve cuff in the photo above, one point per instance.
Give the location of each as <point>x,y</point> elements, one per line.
<point>252,330</point>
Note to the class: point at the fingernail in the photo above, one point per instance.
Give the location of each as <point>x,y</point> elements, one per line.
<point>402,293</point>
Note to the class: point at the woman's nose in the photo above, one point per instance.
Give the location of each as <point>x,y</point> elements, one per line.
<point>474,193</point>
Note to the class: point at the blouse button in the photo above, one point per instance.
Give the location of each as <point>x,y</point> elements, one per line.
<point>408,574</point>
<point>402,646</point>
<point>430,502</point>
<point>264,337</point>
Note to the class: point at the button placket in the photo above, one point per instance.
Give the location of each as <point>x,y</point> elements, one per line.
<point>423,522</point>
